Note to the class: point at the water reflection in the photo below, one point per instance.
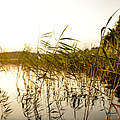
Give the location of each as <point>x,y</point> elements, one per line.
<point>53,96</point>
<point>5,108</point>
<point>64,97</point>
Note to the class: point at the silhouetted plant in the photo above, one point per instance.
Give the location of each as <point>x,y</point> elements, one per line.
<point>4,105</point>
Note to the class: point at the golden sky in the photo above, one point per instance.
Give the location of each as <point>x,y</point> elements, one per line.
<point>20,20</point>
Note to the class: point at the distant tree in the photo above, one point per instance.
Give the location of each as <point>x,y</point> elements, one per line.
<point>27,48</point>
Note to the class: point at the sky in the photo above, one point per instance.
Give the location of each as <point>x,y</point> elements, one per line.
<point>24,21</point>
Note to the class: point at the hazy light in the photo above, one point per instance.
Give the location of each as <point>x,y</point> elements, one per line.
<point>20,20</point>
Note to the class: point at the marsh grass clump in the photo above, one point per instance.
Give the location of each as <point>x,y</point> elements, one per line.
<point>100,64</point>
<point>110,47</point>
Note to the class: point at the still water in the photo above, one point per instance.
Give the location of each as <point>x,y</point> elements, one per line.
<point>59,97</point>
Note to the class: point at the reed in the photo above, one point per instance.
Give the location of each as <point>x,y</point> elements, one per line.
<point>100,64</point>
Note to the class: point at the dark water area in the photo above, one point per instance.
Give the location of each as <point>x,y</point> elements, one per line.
<point>59,97</point>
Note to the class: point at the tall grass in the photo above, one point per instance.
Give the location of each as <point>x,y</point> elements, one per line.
<point>101,65</point>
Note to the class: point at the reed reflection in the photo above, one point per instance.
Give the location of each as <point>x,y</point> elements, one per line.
<point>5,107</point>
<point>51,95</point>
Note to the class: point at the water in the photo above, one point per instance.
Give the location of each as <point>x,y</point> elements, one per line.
<point>53,97</point>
